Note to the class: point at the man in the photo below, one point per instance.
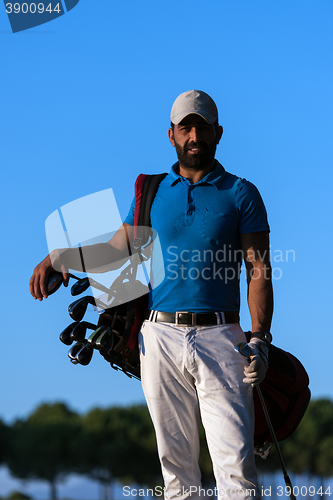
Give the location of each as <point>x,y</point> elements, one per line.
<point>207,221</point>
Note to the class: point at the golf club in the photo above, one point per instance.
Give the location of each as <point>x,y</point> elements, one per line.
<point>78,308</point>
<point>96,334</point>
<point>65,335</point>
<point>84,283</point>
<point>105,341</point>
<point>55,280</point>
<point>73,352</point>
<point>245,350</point>
<point>84,355</point>
<point>78,333</point>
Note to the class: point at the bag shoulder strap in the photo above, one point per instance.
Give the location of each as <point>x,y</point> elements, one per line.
<point>149,191</point>
<point>145,190</point>
<point>146,187</point>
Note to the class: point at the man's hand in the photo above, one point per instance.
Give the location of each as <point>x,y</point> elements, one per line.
<point>38,281</point>
<point>256,371</point>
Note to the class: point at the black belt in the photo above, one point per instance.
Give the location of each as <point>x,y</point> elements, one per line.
<point>185,318</point>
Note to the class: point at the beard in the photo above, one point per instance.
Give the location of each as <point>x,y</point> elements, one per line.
<point>195,161</point>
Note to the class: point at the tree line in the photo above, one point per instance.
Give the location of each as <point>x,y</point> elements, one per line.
<point>119,443</point>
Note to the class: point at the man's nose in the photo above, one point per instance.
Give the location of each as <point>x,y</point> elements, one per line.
<point>194,134</point>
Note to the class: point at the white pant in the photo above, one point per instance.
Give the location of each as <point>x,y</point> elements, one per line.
<point>191,371</point>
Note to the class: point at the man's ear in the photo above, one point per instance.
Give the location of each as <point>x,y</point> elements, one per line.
<point>171,136</point>
<point>219,133</point>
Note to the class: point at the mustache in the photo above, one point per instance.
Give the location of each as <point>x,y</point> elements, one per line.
<point>199,144</point>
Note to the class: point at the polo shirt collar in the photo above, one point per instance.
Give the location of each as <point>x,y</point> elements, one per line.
<point>215,177</point>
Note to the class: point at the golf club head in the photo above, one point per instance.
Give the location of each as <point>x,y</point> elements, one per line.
<point>79,331</point>
<point>84,355</point>
<point>80,286</point>
<point>105,341</point>
<point>74,351</point>
<point>66,335</point>
<point>78,308</point>
<point>96,334</point>
<point>244,349</point>
<point>54,282</point>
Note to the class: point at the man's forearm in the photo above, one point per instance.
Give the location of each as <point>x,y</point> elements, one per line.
<point>260,298</point>
<point>96,258</point>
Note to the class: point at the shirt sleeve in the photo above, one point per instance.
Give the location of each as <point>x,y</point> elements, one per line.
<point>130,216</point>
<point>253,215</point>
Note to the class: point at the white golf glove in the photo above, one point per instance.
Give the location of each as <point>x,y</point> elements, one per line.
<point>256,371</point>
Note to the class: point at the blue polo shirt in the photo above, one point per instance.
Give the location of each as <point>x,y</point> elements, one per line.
<point>199,227</point>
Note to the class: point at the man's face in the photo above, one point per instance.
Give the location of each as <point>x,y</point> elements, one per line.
<point>195,141</point>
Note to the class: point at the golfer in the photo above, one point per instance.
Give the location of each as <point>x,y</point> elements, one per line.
<point>209,221</point>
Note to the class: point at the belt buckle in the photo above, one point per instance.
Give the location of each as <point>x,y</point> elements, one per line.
<point>193,315</point>
<point>220,318</point>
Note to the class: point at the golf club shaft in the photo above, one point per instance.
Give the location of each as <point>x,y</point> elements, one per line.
<point>73,276</point>
<point>271,430</point>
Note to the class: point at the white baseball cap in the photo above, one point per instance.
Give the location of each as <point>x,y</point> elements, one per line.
<point>194,102</point>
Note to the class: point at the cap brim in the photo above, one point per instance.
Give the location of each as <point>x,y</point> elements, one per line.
<point>207,117</point>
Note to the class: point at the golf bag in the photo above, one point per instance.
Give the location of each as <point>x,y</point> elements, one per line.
<point>125,320</point>
<point>286,393</point>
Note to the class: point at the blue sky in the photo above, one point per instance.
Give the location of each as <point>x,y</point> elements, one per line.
<point>85,106</point>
